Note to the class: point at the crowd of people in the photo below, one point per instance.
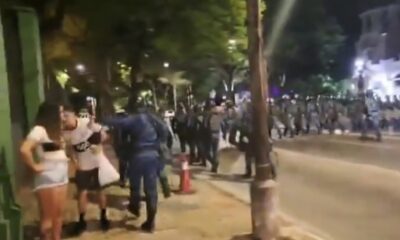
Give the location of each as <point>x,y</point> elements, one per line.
<point>143,140</point>
<point>60,136</point>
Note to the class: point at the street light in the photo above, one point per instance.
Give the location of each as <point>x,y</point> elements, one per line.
<point>359,63</point>
<point>232,42</point>
<point>80,68</point>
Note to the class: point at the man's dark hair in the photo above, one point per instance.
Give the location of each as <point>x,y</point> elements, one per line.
<point>69,108</point>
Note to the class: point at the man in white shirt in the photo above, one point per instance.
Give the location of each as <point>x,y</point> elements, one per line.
<point>85,138</point>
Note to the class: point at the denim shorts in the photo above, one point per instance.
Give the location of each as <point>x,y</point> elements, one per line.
<point>54,175</point>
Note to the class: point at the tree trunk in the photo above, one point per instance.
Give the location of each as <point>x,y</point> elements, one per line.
<point>175,97</point>
<point>231,84</point>
<point>105,98</point>
<point>136,80</point>
<point>263,188</point>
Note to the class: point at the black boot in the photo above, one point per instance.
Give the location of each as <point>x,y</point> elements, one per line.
<point>104,222</point>
<point>203,162</point>
<point>122,183</point>
<point>135,210</point>
<point>80,226</point>
<point>246,176</point>
<point>149,225</point>
<point>165,186</point>
<point>248,173</point>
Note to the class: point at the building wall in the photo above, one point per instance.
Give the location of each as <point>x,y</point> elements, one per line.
<point>21,82</point>
<point>5,112</point>
<point>378,50</point>
<point>380,38</point>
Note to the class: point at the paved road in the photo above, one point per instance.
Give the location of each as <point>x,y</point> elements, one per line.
<point>336,185</point>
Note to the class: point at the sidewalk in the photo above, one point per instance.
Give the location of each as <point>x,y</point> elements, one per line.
<point>209,214</point>
<point>230,182</point>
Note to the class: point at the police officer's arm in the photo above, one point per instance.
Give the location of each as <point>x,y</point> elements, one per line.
<point>163,127</point>
<point>121,123</point>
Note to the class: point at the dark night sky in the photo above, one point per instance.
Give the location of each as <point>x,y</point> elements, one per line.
<point>347,14</point>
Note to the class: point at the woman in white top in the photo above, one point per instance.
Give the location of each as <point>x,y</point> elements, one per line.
<point>51,169</point>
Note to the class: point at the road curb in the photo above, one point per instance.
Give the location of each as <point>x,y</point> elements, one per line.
<point>290,230</point>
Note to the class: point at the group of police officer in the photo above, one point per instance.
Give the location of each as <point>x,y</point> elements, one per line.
<point>143,139</point>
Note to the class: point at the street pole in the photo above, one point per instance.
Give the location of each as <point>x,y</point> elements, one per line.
<point>263,190</point>
<point>175,97</point>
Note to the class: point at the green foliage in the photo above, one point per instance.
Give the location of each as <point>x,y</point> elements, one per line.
<point>318,84</point>
<point>193,36</point>
<point>309,43</point>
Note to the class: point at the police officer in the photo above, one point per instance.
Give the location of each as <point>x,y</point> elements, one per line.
<point>299,117</point>
<point>372,115</point>
<point>288,109</point>
<point>274,117</point>
<point>313,116</point>
<point>213,124</point>
<point>179,125</point>
<point>191,133</point>
<point>121,142</point>
<point>146,131</point>
<point>243,126</point>
<point>202,139</point>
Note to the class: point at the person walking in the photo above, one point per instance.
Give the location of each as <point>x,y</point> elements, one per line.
<point>372,115</point>
<point>179,125</point>
<point>243,127</point>
<point>202,139</point>
<point>121,143</point>
<point>51,171</point>
<point>144,162</point>
<point>191,134</point>
<point>213,124</point>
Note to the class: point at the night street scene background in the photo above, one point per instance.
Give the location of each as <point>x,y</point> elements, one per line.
<point>200,119</point>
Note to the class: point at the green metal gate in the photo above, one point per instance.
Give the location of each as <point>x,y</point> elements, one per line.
<point>21,91</point>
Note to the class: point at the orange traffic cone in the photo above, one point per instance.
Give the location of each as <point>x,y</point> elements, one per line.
<point>185,185</point>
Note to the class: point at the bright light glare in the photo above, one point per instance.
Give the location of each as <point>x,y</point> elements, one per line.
<point>388,88</point>
<point>353,86</point>
<point>232,41</point>
<point>359,63</point>
<point>80,67</point>
<point>166,64</point>
<point>283,17</point>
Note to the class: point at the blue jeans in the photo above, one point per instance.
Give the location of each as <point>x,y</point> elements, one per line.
<point>146,167</point>
<point>374,121</point>
<point>214,153</point>
<point>123,156</point>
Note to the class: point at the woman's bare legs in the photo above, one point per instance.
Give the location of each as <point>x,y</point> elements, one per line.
<point>59,198</point>
<point>46,209</point>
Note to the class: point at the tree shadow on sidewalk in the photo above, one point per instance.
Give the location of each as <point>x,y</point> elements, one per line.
<point>230,178</point>
<point>250,237</point>
<point>93,225</point>
<point>32,232</point>
<point>243,237</point>
<point>115,201</point>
